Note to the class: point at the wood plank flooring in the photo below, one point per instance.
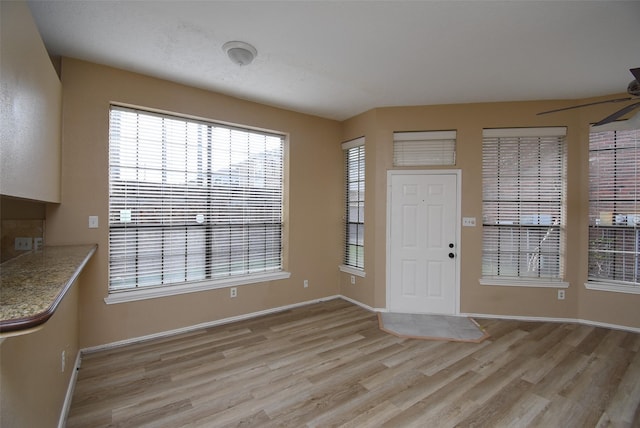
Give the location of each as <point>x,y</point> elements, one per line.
<point>328,365</point>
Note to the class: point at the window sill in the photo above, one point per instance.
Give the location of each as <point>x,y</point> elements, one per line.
<point>172,290</point>
<point>612,287</point>
<point>521,282</point>
<point>353,271</point>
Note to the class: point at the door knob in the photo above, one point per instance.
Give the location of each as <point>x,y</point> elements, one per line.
<point>451,255</point>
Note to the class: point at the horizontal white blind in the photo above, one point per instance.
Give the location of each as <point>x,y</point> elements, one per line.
<point>354,203</point>
<point>614,207</point>
<point>523,203</point>
<point>425,148</point>
<point>190,200</point>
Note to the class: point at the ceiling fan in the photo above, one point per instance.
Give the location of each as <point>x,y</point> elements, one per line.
<point>633,89</point>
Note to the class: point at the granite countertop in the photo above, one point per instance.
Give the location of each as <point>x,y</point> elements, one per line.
<point>33,284</point>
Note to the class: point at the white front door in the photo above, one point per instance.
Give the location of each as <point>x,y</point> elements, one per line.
<point>423,238</point>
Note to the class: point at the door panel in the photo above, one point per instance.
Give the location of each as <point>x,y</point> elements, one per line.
<point>422,225</point>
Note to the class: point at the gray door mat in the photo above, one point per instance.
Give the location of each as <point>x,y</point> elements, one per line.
<point>431,326</point>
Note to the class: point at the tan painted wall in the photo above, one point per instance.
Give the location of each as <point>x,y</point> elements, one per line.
<point>32,383</point>
<point>30,100</point>
<point>469,119</point>
<point>312,220</point>
<point>364,290</point>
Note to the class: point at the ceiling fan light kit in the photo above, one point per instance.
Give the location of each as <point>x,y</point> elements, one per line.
<point>633,89</point>
<point>241,53</point>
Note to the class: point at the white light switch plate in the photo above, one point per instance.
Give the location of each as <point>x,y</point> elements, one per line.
<point>93,222</point>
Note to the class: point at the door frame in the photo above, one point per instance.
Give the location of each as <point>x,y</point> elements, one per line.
<point>458,217</point>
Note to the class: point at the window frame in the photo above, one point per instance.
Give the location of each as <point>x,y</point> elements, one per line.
<point>210,281</point>
<point>528,281</point>
<point>613,224</point>
<point>356,146</point>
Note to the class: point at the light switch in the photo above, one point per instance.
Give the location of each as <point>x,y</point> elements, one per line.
<point>93,222</point>
<point>469,221</point>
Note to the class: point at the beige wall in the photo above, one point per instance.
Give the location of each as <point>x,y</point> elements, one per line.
<point>30,100</point>
<point>32,383</point>
<point>469,119</point>
<point>312,218</point>
<point>314,214</point>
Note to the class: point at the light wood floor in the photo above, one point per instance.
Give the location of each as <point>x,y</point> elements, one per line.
<point>328,364</point>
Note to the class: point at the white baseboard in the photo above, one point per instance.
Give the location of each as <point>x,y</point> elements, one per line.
<point>208,324</point>
<point>362,305</point>
<point>515,317</point>
<point>215,323</point>
<point>62,422</point>
<point>558,320</point>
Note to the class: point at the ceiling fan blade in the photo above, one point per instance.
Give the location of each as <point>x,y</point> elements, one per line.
<point>636,73</point>
<point>617,100</point>
<point>618,114</point>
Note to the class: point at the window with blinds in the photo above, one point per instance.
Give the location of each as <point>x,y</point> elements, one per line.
<point>523,182</point>
<point>354,203</point>
<point>191,200</point>
<point>426,148</point>
<point>614,207</point>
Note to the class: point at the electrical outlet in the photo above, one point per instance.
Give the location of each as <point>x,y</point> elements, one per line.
<point>233,292</point>
<point>23,244</point>
<point>353,279</point>
<point>560,294</point>
<point>469,221</point>
<point>306,283</point>
<point>37,243</point>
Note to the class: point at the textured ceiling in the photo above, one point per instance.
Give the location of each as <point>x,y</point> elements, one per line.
<point>336,59</point>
